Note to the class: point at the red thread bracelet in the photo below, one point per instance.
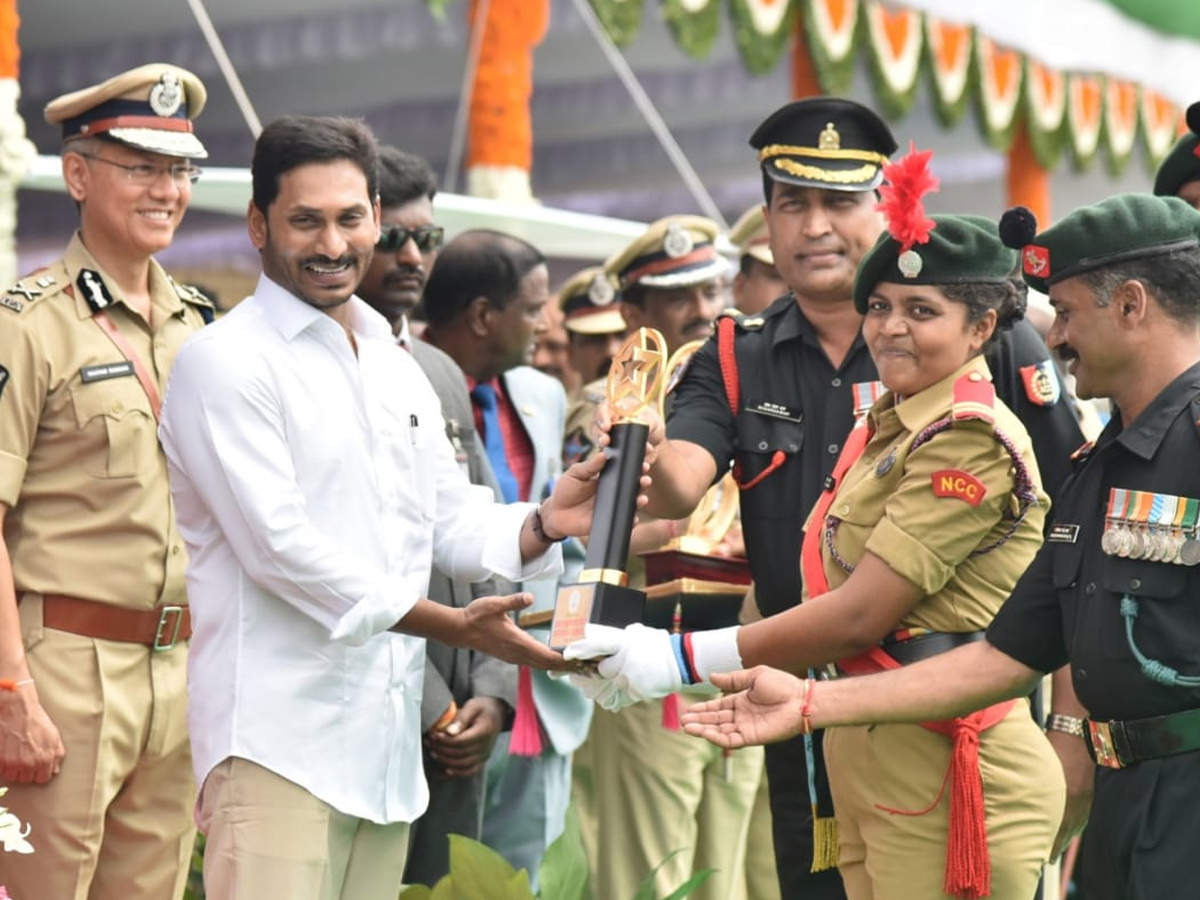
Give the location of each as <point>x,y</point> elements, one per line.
<point>7,684</point>
<point>806,707</point>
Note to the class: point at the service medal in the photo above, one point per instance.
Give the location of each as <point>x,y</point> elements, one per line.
<point>1189,553</point>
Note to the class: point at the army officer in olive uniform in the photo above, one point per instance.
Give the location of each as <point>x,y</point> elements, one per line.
<point>93,617</point>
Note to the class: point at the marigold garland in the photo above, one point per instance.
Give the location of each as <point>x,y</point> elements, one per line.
<point>500,128</point>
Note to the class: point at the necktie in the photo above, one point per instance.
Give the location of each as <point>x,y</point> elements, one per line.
<point>484,396</point>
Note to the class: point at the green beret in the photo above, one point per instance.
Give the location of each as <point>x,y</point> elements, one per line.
<point>1123,227</point>
<point>1182,164</point>
<point>960,250</point>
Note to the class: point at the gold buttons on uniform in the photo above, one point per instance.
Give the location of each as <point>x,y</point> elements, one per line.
<point>844,509</point>
<point>117,406</point>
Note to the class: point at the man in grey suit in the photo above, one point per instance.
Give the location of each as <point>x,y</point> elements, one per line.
<point>468,697</point>
<point>485,305</point>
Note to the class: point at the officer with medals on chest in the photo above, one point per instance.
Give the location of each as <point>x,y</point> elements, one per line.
<point>775,396</point>
<point>94,621</point>
<point>1113,590</point>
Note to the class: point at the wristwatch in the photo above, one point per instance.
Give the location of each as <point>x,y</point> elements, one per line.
<point>1066,724</point>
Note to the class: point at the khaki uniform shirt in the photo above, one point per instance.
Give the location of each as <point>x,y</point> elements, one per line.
<point>80,464</point>
<point>925,512</point>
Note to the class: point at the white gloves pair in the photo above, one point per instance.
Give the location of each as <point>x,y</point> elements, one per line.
<point>636,664</point>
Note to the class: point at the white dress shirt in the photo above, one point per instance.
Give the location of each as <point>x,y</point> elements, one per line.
<point>315,489</point>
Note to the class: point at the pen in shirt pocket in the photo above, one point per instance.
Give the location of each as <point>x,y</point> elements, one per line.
<point>413,423</point>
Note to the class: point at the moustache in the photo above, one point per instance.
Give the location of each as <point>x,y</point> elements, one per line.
<point>403,271</point>
<point>1066,353</point>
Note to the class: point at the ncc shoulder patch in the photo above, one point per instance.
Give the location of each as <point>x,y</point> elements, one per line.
<point>956,483</point>
<point>1041,383</point>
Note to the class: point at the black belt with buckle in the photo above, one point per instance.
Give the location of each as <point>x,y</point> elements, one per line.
<point>1116,745</point>
<point>923,646</point>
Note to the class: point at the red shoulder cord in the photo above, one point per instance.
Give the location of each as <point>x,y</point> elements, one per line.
<point>729,375</point>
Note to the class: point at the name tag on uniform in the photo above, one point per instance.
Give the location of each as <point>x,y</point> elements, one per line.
<point>105,371</point>
<point>775,410</point>
<point>1061,533</point>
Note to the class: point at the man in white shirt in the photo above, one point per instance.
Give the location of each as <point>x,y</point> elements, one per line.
<point>314,498</point>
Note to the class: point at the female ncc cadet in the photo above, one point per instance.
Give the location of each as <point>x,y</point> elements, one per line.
<point>933,512</point>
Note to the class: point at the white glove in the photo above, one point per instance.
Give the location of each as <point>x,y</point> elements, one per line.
<point>639,664</point>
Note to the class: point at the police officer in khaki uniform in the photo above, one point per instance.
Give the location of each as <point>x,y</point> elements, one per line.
<point>93,618</point>
<point>595,329</point>
<point>655,790</point>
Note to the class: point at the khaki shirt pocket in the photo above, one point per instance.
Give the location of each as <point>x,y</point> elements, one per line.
<point>116,427</point>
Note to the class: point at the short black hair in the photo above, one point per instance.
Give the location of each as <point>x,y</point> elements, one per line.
<point>293,141</point>
<point>403,177</point>
<point>477,263</point>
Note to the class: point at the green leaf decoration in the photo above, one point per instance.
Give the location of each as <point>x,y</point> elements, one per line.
<point>833,49</point>
<point>563,874</point>
<point>690,885</point>
<point>621,19</point>
<point>695,30</point>
<point>478,871</point>
<point>760,45</point>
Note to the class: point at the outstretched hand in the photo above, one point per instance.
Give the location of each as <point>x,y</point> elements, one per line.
<point>487,627</point>
<point>760,706</point>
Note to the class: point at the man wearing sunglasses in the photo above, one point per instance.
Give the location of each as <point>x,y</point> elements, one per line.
<point>94,621</point>
<point>468,696</point>
<point>409,239</point>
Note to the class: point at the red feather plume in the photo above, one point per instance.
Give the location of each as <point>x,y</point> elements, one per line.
<point>906,181</point>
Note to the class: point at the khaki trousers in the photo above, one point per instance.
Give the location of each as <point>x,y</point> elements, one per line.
<point>116,822</point>
<point>269,837</point>
<point>884,856</point>
<point>654,792</point>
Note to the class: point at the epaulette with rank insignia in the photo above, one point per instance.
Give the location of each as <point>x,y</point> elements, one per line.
<point>32,288</point>
<point>974,398</point>
<point>194,296</point>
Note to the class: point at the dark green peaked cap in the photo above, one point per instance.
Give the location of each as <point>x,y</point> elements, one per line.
<point>1123,227</point>
<point>960,250</point>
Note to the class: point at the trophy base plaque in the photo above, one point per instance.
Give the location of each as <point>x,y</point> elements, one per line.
<point>598,602</point>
